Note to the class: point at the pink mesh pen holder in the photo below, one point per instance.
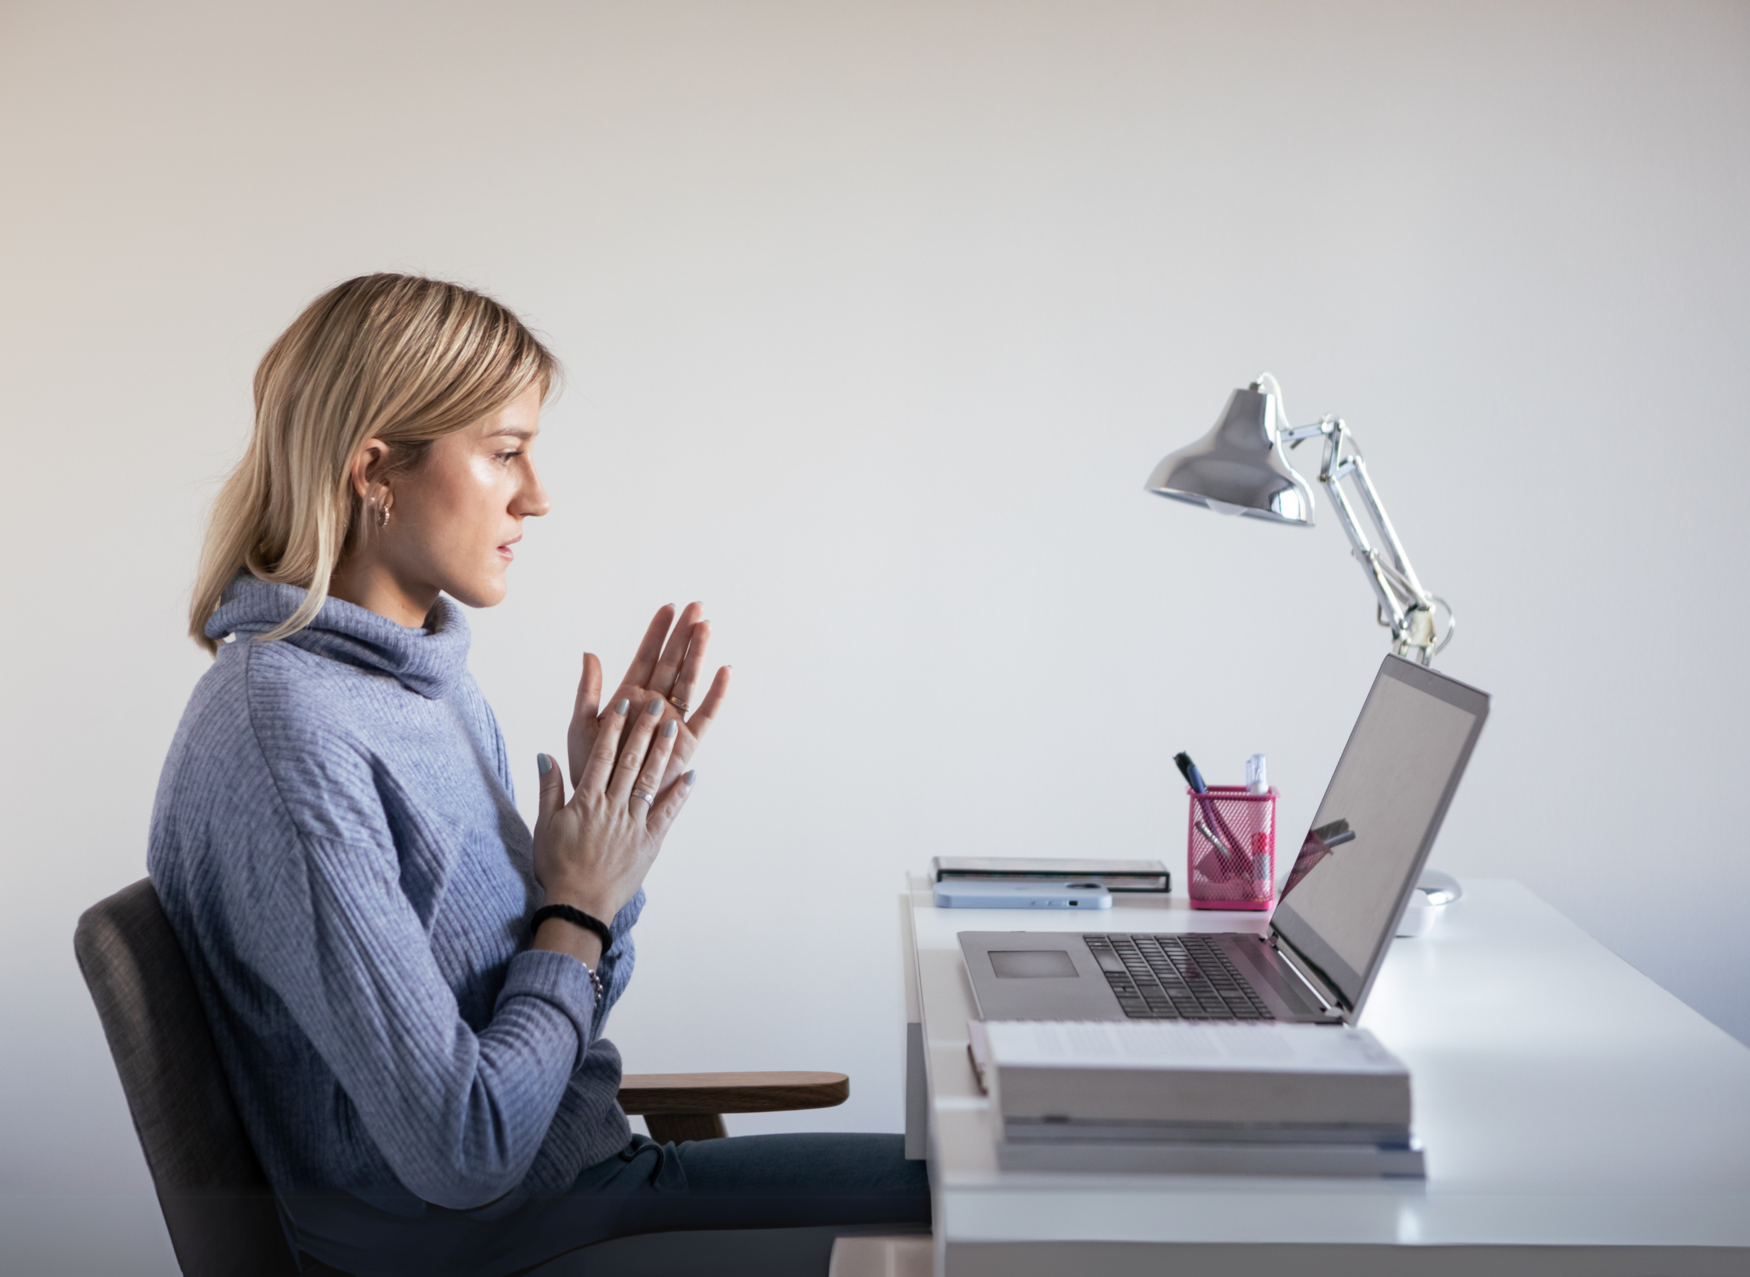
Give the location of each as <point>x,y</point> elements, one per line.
<point>1231,848</point>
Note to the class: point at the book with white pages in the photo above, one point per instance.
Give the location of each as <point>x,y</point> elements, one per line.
<point>1256,1099</point>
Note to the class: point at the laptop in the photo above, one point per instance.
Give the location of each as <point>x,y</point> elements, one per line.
<point>1338,909</point>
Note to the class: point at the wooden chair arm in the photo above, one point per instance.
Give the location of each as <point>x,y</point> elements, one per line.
<point>731,1092</point>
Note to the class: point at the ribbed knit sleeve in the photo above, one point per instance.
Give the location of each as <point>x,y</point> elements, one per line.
<point>459,1115</point>
<point>560,981</point>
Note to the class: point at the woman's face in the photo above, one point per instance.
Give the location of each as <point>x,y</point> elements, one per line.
<point>454,518</point>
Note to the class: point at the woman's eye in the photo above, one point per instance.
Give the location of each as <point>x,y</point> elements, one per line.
<point>507,456</point>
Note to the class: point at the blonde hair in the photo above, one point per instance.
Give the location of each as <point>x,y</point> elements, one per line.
<point>391,357</point>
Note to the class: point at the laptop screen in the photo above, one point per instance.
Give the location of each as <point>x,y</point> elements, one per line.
<point>1341,902</point>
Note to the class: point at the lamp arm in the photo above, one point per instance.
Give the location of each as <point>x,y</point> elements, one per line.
<point>1394,601</point>
<point>1400,560</point>
<point>1404,603</point>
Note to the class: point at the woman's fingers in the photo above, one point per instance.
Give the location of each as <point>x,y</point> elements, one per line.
<point>584,710</point>
<point>669,803</point>
<point>709,707</point>
<point>643,666</point>
<point>668,667</point>
<point>603,748</point>
<point>686,683</point>
<point>649,780</point>
<point>638,736</point>
<point>552,796</point>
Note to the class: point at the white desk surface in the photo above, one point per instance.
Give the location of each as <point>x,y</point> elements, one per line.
<point>1567,1104</point>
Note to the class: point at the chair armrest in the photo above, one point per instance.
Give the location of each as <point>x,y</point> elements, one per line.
<point>731,1092</point>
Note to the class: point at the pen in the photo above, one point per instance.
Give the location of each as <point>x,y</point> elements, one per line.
<point>1194,778</point>
<point>1220,847</point>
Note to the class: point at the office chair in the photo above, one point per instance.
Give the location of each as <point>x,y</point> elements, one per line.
<point>215,1196</point>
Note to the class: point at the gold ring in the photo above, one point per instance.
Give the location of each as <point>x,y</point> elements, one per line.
<point>679,704</point>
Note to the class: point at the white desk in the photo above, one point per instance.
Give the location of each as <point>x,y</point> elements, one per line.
<point>1578,1120</point>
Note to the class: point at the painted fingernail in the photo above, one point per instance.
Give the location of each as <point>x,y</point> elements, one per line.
<point>656,706</point>
<point>544,763</point>
<point>668,729</point>
<point>620,707</point>
<point>689,778</point>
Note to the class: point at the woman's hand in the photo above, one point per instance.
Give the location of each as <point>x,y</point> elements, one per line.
<point>592,852</point>
<point>669,672</point>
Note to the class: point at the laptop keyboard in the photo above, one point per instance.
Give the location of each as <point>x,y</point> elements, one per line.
<point>1175,978</point>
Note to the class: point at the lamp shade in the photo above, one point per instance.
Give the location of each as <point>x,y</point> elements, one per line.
<point>1238,467</point>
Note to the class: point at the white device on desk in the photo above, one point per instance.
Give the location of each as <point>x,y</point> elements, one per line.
<point>1022,895</point>
<point>1338,911</point>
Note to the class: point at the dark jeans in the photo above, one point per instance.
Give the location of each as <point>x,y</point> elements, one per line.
<point>746,1181</point>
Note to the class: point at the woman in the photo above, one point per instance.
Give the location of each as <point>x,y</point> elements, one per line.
<point>408,991</point>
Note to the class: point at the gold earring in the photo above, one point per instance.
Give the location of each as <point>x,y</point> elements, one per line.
<point>381,510</point>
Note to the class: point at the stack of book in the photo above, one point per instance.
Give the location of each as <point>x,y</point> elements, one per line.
<point>1117,876</point>
<point>1198,1099</point>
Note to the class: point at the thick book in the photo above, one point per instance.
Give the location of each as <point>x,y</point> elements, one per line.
<point>1288,1076</point>
<point>1197,1099</point>
<point>1114,875</point>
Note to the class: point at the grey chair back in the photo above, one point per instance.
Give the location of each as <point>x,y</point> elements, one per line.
<point>216,1199</point>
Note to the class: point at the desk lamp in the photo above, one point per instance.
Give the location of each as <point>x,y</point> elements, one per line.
<point>1240,467</point>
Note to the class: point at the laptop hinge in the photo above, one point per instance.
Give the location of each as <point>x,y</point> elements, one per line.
<point>1327,997</point>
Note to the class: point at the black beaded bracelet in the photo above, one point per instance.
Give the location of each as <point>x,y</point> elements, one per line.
<point>577,918</point>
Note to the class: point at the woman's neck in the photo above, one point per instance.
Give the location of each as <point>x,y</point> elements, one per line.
<point>372,586</point>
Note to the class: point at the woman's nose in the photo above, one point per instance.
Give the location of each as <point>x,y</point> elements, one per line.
<point>531,499</point>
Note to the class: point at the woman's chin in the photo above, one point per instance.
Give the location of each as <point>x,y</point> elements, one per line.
<point>478,594</point>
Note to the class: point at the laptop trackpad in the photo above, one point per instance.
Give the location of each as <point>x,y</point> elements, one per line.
<point>1031,964</point>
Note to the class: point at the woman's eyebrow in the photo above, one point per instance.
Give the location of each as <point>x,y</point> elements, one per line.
<point>524,435</point>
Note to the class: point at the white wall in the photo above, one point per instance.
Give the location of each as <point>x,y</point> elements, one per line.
<point>877,316</point>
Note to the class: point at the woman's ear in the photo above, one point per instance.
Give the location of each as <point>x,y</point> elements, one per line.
<point>367,463</point>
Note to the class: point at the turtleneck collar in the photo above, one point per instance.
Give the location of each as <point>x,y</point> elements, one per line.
<point>427,661</point>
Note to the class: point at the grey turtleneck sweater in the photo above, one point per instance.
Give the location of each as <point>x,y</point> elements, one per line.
<point>337,847</point>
